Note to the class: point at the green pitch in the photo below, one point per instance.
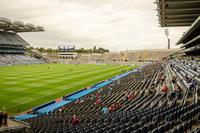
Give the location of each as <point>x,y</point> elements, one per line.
<point>24,87</point>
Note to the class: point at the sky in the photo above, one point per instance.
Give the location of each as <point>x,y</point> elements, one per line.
<point>116,25</point>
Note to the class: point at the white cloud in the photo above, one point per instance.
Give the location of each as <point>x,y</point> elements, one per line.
<point>113,24</point>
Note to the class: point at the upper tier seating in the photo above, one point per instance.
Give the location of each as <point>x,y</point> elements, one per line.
<point>11,39</point>
<point>12,43</point>
<point>17,59</point>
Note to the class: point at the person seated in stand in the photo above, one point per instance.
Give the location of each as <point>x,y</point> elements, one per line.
<point>131,96</point>
<point>111,109</point>
<point>98,96</point>
<point>98,101</point>
<point>188,79</point>
<point>75,120</point>
<point>192,85</point>
<point>60,110</point>
<point>194,68</point>
<point>92,97</point>
<point>174,79</point>
<point>1,118</point>
<point>110,89</point>
<point>164,88</point>
<point>117,105</point>
<point>149,91</point>
<point>77,101</point>
<point>176,92</point>
<point>105,110</point>
<point>5,120</point>
<point>162,78</point>
<point>125,98</point>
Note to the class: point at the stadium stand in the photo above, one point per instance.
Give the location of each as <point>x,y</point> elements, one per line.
<point>149,54</point>
<point>136,103</point>
<point>124,57</point>
<point>12,46</point>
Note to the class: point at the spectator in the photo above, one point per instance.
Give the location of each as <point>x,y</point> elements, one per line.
<point>188,79</point>
<point>127,94</point>
<point>131,95</point>
<point>174,79</point>
<point>77,101</point>
<point>117,105</point>
<point>75,120</point>
<point>111,109</point>
<point>60,110</point>
<point>176,92</point>
<point>5,120</point>
<point>164,89</point>
<point>162,78</point>
<point>192,85</point>
<point>148,91</point>
<point>109,90</point>
<point>105,110</point>
<point>1,118</point>
<point>92,97</point>
<point>98,101</point>
<point>194,68</point>
<point>98,96</point>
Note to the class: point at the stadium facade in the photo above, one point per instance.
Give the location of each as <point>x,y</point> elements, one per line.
<point>12,47</point>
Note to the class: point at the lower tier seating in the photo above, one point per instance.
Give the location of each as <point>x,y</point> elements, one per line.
<point>146,101</point>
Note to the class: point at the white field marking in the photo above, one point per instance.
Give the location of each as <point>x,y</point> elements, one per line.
<point>8,77</point>
<point>84,74</point>
<point>73,72</point>
<point>12,82</point>
<point>36,85</point>
<point>15,89</point>
<point>90,72</point>
<point>47,92</point>
<point>51,72</point>
<point>27,75</point>
<point>21,99</point>
<point>71,77</point>
<point>84,70</point>
<point>58,91</point>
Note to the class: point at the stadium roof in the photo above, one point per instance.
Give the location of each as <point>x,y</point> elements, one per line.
<point>18,26</point>
<point>177,12</point>
<point>192,34</point>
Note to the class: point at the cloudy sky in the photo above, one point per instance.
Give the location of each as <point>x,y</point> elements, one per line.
<point>113,24</point>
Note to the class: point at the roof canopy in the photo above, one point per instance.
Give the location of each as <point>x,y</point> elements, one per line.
<point>18,26</point>
<point>177,12</point>
<point>192,34</point>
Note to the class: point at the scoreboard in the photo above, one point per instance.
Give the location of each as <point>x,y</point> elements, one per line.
<point>66,48</point>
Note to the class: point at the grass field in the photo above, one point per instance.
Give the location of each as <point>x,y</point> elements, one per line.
<point>24,87</point>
